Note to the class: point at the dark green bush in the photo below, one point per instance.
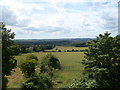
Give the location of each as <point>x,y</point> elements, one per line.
<point>59,50</point>
<point>38,81</point>
<point>31,56</point>
<point>46,69</point>
<point>50,61</point>
<point>28,67</point>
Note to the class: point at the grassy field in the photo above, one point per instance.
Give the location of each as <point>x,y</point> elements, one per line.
<point>70,61</point>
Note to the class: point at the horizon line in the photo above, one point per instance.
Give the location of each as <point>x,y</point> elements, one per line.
<point>56,38</point>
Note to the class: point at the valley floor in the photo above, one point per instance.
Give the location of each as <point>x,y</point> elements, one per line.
<point>71,67</point>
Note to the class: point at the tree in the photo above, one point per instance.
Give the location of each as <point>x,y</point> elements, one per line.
<point>102,61</point>
<point>15,49</point>
<point>72,50</point>
<point>8,61</point>
<point>38,81</point>
<point>28,67</point>
<point>32,56</point>
<point>48,63</point>
<point>59,50</point>
<point>51,61</point>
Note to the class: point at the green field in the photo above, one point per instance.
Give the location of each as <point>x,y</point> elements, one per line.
<point>70,61</point>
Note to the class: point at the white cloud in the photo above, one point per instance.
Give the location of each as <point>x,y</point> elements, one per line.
<point>8,16</point>
<point>34,19</point>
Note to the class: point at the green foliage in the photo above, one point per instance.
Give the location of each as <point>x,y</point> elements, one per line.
<point>59,50</point>
<point>71,66</point>
<point>38,81</point>
<point>28,67</point>
<point>34,80</point>
<point>102,62</point>
<point>78,43</point>
<point>8,61</point>
<point>38,48</point>
<point>31,56</point>
<point>82,83</point>
<point>46,69</point>
<point>25,49</point>
<point>4,82</point>
<point>15,49</point>
<point>48,63</point>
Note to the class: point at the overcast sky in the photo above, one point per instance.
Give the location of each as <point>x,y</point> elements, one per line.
<point>48,19</point>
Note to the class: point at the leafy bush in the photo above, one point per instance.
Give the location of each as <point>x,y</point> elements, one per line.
<point>31,56</point>
<point>28,67</point>
<point>48,63</point>
<point>25,49</point>
<point>46,69</point>
<point>82,83</point>
<point>51,61</point>
<point>72,50</point>
<point>38,81</point>
<point>59,50</point>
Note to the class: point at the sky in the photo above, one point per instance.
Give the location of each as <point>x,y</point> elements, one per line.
<point>52,19</point>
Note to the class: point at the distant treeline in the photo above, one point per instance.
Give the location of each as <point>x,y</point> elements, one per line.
<point>41,45</point>
<point>78,42</point>
<point>35,48</point>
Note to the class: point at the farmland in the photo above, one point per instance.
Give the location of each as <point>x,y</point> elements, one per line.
<point>70,62</point>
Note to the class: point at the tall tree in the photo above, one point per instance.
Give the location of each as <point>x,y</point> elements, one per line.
<point>102,62</point>
<point>8,61</point>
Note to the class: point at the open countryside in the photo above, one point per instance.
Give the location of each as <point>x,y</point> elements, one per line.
<point>70,61</point>
<point>60,44</point>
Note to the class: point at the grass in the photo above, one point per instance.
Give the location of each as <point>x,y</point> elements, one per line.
<point>15,79</point>
<point>70,61</point>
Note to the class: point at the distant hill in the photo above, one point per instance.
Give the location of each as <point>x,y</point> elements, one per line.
<point>60,42</point>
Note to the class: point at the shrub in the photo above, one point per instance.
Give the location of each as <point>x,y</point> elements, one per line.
<point>38,81</point>
<point>31,56</point>
<point>45,69</point>
<point>51,61</point>
<point>59,50</point>
<point>48,63</point>
<point>72,50</point>
<point>82,83</point>
<point>28,67</point>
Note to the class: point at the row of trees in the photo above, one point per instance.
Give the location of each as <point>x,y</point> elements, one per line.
<point>38,48</point>
<point>77,42</point>
<point>33,48</point>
